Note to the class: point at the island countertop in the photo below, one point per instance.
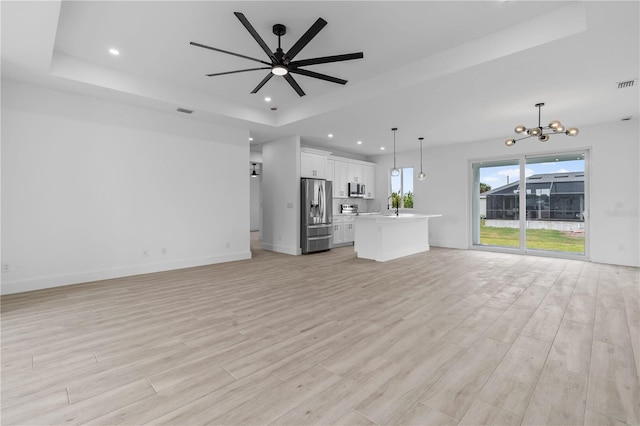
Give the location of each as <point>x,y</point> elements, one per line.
<point>385,237</point>
<point>401,216</point>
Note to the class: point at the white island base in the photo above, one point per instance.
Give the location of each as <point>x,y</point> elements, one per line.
<point>382,237</point>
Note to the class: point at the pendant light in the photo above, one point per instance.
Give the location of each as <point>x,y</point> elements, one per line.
<point>395,171</point>
<point>254,174</point>
<point>421,175</point>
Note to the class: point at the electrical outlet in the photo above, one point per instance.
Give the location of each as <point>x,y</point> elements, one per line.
<point>145,253</point>
<point>5,267</point>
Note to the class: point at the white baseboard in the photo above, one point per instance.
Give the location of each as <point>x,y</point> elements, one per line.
<point>282,249</point>
<point>40,283</point>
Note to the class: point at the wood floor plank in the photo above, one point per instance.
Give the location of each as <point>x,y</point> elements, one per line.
<point>482,413</point>
<point>440,337</point>
<point>355,419</point>
<point>558,399</point>
<point>420,415</point>
<point>175,392</point>
<point>459,386</point>
<point>571,348</point>
<point>211,406</point>
<point>613,385</point>
<point>514,379</point>
<point>267,407</point>
<point>581,308</point>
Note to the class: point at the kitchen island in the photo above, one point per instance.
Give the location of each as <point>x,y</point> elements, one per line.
<point>386,237</point>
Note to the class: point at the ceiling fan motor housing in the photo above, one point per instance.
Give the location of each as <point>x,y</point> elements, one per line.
<point>279,30</point>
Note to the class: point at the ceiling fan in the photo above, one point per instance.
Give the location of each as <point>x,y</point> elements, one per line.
<point>282,63</point>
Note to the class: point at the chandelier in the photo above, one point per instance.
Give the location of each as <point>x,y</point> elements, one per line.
<point>555,127</point>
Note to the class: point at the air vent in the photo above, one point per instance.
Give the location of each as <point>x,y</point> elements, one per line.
<point>628,83</point>
<point>184,110</point>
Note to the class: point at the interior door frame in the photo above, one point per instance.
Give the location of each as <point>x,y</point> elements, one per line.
<point>473,213</point>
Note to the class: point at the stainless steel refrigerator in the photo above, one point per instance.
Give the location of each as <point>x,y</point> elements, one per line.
<point>316,222</point>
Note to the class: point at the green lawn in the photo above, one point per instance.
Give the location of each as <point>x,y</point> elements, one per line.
<point>538,239</point>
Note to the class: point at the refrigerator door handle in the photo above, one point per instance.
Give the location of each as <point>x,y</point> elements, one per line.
<point>321,201</point>
<point>323,237</point>
<point>322,225</point>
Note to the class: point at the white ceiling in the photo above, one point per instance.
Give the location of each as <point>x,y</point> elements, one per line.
<point>449,71</point>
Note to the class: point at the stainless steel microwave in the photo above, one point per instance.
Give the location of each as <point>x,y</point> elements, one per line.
<point>356,190</point>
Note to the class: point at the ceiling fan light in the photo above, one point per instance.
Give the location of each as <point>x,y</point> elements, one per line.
<point>279,70</point>
<point>520,129</point>
<point>573,131</point>
<point>422,176</point>
<point>509,142</point>
<point>543,138</point>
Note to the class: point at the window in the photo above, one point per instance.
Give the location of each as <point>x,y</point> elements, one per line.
<point>402,189</point>
<point>553,191</point>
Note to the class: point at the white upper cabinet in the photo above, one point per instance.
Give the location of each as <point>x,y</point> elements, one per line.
<point>356,173</point>
<point>331,166</point>
<point>313,165</point>
<point>369,182</point>
<point>340,179</point>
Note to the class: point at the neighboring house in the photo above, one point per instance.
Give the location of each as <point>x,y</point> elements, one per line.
<point>551,197</point>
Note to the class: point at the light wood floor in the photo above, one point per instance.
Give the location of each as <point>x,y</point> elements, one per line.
<point>445,337</point>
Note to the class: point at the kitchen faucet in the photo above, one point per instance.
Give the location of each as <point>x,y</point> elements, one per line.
<point>391,205</point>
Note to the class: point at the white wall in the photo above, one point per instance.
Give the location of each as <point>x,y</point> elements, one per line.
<point>281,196</point>
<point>615,186</point>
<point>88,185</point>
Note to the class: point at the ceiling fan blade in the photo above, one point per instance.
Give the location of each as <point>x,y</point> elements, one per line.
<point>293,84</point>
<point>228,53</point>
<point>327,59</point>
<point>318,75</point>
<point>262,83</point>
<point>305,39</point>
<point>255,35</point>
<point>234,72</point>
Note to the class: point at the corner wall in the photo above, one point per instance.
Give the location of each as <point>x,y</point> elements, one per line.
<point>281,196</point>
<point>93,189</point>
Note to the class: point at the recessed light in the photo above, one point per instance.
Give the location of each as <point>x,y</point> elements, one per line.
<point>267,99</point>
<point>382,148</point>
<point>330,135</point>
<point>250,139</point>
<point>359,142</point>
<point>114,52</point>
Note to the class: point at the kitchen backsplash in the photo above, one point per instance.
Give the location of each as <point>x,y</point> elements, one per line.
<point>364,206</point>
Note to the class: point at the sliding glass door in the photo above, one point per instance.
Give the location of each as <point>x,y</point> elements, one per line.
<point>554,192</point>
<point>556,203</point>
<point>501,179</point>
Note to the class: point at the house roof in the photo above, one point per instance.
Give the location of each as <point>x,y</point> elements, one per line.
<point>565,183</point>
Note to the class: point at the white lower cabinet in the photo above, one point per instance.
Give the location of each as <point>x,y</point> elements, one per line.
<point>348,226</point>
<point>337,233</point>
<point>343,229</point>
